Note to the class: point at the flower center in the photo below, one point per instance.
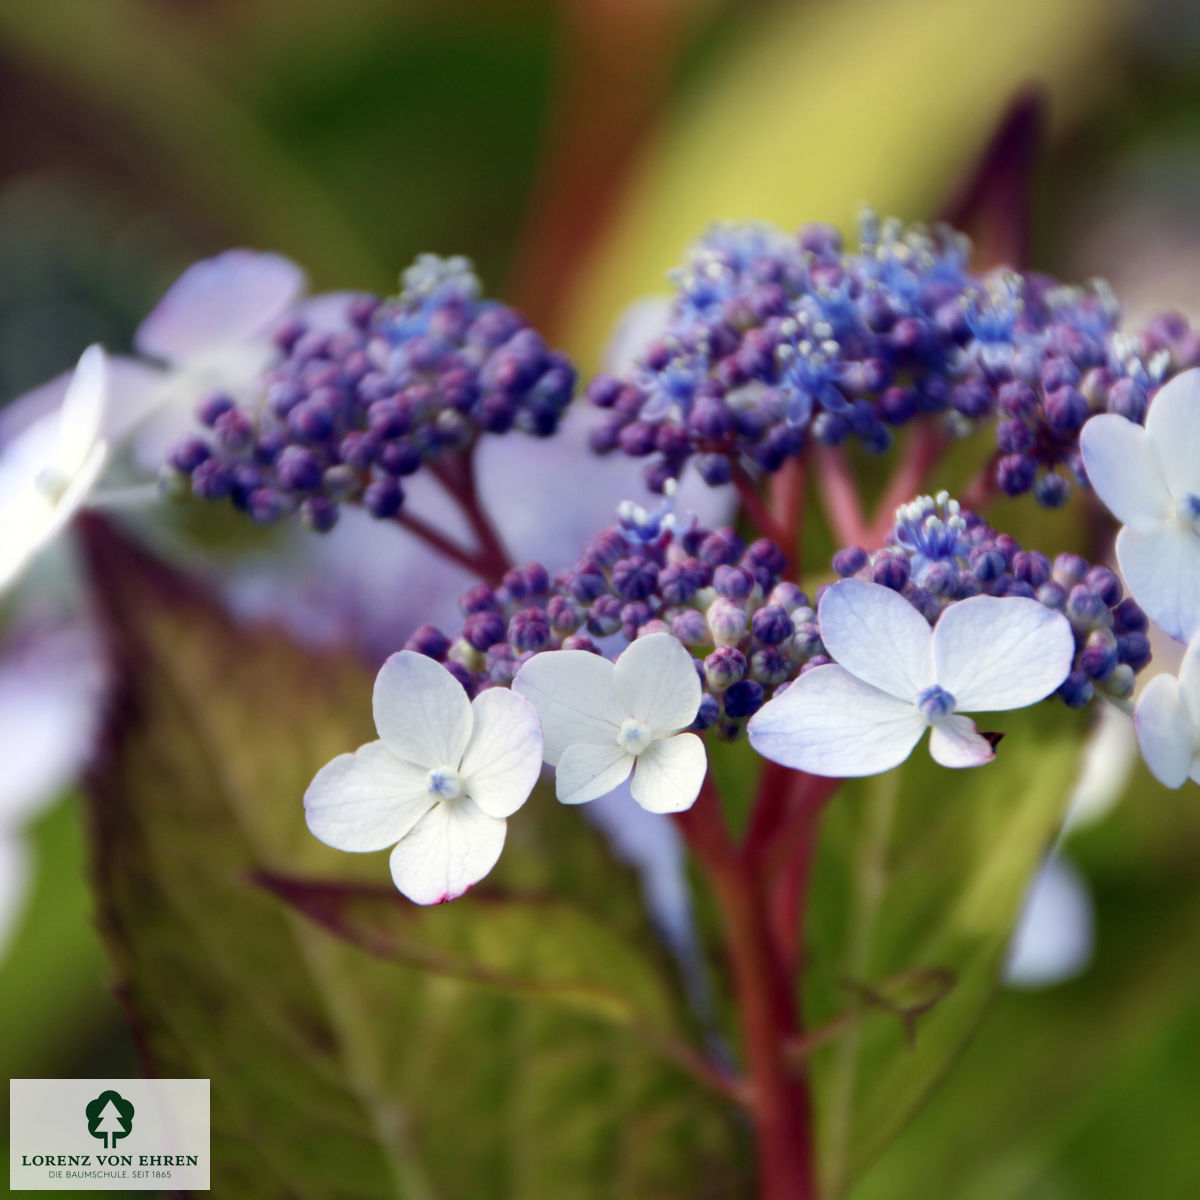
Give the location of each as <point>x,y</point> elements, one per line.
<point>633,737</point>
<point>1187,509</point>
<point>935,703</point>
<point>445,783</point>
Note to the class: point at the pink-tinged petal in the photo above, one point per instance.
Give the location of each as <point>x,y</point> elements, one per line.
<point>1162,570</point>
<point>831,723</point>
<point>994,653</point>
<point>1165,732</point>
<point>367,800</point>
<point>503,759</point>
<point>218,302</point>
<point>955,742</point>
<point>421,711</point>
<point>1124,472</point>
<point>669,774</point>
<point>451,848</point>
<point>656,680</point>
<point>83,411</point>
<point>878,636</point>
<point>1173,427</point>
<point>575,696</point>
<point>588,770</point>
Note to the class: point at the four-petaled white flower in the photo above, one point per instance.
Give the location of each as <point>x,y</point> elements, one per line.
<point>47,470</point>
<point>438,784</point>
<point>1167,720</point>
<point>895,677</point>
<point>602,720</point>
<point>1150,479</point>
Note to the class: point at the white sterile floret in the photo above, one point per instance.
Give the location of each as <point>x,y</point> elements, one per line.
<point>47,470</point>
<point>438,784</point>
<point>1150,479</point>
<point>894,677</point>
<point>602,720</point>
<point>1167,720</point>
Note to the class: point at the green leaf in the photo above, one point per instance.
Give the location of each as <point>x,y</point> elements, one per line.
<point>336,1073</point>
<point>919,878</point>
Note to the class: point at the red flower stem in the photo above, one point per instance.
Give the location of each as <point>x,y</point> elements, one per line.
<point>779,1092</point>
<point>923,452</point>
<point>758,512</point>
<point>787,506</point>
<point>840,499</point>
<point>436,540</point>
<point>456,474</point>
<point>983,489</point>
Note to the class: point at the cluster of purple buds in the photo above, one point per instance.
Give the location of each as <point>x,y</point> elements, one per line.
<point>347,415</point>
<point>724,600</point>
<point>774,341</point>
<point>937,553</point>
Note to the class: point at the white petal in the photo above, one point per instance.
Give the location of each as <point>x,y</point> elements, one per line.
<point>503,759</point>
<point>831,723</point>
<point>1124,471</point>
<point>136,390</point>
<point>656,680</point>
<point>366,800</point>
<point>1162,570</point>
<point>575,696</point>
<point>1165,731</point>
<point>451,848</point>
<point>1189,680</point>
<point>421,711</point>
<point>218,302</point>
<point>82,412</point>
<point>877,635</point>
<point>668,774</point>
<point>955,742</point>
<point>1055,934</point>
<point>993,653</point>
<point>1173,427</point>
<point>588,770</point>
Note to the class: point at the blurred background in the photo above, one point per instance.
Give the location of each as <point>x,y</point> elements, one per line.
<point>572,148</point>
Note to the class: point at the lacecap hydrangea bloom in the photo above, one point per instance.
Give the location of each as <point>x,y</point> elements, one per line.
<point>777,341</point>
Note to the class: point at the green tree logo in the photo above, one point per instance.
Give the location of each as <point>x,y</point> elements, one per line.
<point>109,1117</point>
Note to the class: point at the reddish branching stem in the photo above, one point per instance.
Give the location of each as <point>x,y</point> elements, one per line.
<point>759,513</point>
<point>840,499</point>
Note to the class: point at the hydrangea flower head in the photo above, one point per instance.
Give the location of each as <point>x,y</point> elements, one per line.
<point>438,784</point>
<point>48,469</point>
<point>893,677</point>
<point>1150,479</point>
<point>1167,720</point>
<point>603,720</point>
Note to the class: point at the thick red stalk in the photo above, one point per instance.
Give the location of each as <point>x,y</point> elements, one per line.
<point>840,499</point>
<point>779,1092</point>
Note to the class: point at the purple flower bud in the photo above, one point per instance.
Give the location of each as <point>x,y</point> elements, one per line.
<point>726,622</point>
<point>891,571</point>
<point>299,469</point>
<point>973,398</point>
<point>1059,373</point>
<point>850,561</point>
<point>604,616</point>
<point>1032,567</point>
<point>1017,399</point>
<point>461,674</point>
<point>734,583</point>
<point>483,629</point>
<point>898,405</point>
<point>1066,410</point>
<point>1014,437</point>
<point>1127,398</point>
<point>1076,690</point>
<point>478,598</point>
<point>634,578</point>
<point>806,641</point>
<point>634,615</point>
<point>383,498</point>
<point>1052,491</point>
<point>586,582</point>
<point>1129,616</point>
<point>771,625</point>
<point>708,713</point>
<point>788,596</point>
<point>1015,474</point>
<point>722,546</point>
<point>213,407</point>
<point>580,642</point>
<point>724,667</point>
<point>1105,583</point>
<point>715,469</point>
<point>1133,648</point>
<point>430,641</point>
<point>529,630</point>
<point>1069,569</point>
<point>400,458</point>
<point>743,699</point>
<point>319,513</point>
<point>189,454</point>
<point>770,666</point>
<point>1086,608</point>
<point>1098,658</point>
<point>565,613</point>
<point>1052,595</point>
<point>212,480</point>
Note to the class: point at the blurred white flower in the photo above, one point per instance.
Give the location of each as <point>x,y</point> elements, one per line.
<point>1055,934</point>
<point>1150,479</point>
<point>438,784</point>
<point>1167,720</point>
<point>894,677</point>
<point>603,720</point>
<point>48,469</point>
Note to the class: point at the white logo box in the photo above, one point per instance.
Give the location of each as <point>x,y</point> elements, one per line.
<point>108,1135</point>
